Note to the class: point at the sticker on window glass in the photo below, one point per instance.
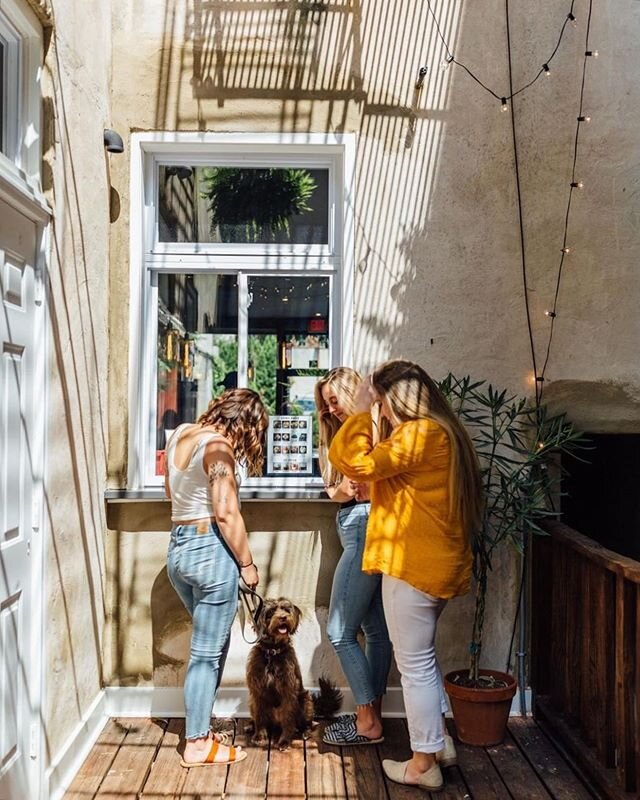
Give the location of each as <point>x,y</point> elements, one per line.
<point>289,445</point>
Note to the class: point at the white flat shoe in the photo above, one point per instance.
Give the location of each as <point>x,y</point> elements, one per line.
<point>431,779</point>
<point>448,756</point>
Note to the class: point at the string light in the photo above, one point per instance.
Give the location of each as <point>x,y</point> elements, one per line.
<point>450,58</point>
<point>582,117</point>
<point>538,376</point>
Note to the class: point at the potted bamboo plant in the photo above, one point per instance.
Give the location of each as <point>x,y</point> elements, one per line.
<point>518,446</point>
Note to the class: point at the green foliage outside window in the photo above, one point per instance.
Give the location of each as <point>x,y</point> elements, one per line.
<point>251,205</point>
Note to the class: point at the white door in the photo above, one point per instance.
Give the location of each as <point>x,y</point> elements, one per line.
<point>17,435</point>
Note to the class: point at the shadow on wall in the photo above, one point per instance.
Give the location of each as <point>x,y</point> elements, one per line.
<point>72,502</point>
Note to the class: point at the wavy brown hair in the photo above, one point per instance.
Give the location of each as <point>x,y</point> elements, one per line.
<point>240,415</point>
<point>411,394</point>
<point>343,382</point>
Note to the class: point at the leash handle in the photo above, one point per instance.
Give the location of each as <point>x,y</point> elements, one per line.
<point>249,602</point>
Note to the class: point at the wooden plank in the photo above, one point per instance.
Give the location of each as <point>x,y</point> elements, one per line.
<point>551,768</point>
<point>286,771</point>
<point>575,599</point>
<point>325,776</point>
<point>558,625</point>
<point>620,712</point>
<point>626,721</point>
<point>396,747</point>
<point>542,573</point>
<point>586,664</point>
<point>96,765</point>
<point>604,699</point>
<point>480,775</point>
<point>248,779</point>
<point>166,776</point>
<point>516,772</point>
<point>599,777</point>
<point>131,765</point>
<point>608,560</point>
<point>637,689</point>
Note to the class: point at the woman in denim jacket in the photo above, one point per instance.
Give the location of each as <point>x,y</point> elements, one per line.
<point>356,599</point>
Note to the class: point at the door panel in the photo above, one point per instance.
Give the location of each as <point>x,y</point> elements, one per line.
<point>17,390</point>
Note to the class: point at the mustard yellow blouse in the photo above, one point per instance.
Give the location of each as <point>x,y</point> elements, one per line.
<point>410,534</point>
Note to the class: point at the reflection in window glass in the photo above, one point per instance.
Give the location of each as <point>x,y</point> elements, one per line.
<point>288,352</point>
<point>197,348</point>
<point>243,205</point>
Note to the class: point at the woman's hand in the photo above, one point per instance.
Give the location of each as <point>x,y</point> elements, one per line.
<point>360,491</point>
<point>250,575</point>
<point>365,396</point>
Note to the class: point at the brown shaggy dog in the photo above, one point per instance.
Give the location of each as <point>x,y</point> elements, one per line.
<point>278,702</point>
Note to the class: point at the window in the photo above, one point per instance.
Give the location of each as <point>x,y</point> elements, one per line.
<point>20,58</point>
<point>241,268</point>
<point>9,87</point>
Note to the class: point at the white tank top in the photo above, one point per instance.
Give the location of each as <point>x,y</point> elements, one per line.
<point>190,494</point>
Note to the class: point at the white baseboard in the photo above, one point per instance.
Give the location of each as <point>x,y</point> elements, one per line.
<point>149,701</point>
<point>68,761</point>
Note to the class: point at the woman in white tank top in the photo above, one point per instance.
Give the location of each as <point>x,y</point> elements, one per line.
<point>209,549</point>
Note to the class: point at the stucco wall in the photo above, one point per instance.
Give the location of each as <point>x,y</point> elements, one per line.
<point>76,182</point>
<point>439,275</point>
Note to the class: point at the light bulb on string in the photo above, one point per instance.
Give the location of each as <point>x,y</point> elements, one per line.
<point>546,70</point>
<point>584,118</point>
<point>566,250</point>
<point>504,106</point>
<point>591,53</point>
<point>577,185</point>
<point>444,64</point>
<point>550,314</point>
<point>572,19</point>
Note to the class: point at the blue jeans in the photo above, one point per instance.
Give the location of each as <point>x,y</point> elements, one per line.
<point>356,603</point>
<point>205,575</point>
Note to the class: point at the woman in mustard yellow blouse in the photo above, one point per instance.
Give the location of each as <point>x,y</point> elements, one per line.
<point>426,500</point>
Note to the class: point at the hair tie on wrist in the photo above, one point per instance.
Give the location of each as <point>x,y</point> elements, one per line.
<point>250,564</point>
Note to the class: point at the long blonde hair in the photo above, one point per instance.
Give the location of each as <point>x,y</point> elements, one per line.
<point>240,415</point>
<point>343,382</point>
<point>411,394</point>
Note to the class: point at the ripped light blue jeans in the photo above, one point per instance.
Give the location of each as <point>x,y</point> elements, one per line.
<point>205,575</point>
<point>356,603</point>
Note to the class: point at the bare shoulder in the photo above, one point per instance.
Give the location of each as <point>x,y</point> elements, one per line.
<point>219,461</point>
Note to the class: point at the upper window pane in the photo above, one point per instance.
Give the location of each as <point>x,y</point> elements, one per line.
<point>197,348</point>
<point>266,205</point>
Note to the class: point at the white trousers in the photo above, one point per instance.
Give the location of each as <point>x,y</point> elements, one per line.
<point>412,619</point>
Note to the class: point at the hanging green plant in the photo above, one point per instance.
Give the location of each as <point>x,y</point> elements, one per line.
<point>249,205</point>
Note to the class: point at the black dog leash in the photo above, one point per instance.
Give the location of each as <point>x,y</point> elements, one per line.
<point>249,604</point>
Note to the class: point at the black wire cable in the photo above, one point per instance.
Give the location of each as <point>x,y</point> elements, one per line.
<point>452,60</point>
<point>523,256</point>
<point>579,121</point>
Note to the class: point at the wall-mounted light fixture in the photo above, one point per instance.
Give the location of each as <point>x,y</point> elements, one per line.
<point>113,141</point>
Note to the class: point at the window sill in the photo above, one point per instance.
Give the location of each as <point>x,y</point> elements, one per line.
<point>253,494</point>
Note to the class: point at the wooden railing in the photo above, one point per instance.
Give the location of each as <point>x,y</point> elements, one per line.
<point>585,666</point>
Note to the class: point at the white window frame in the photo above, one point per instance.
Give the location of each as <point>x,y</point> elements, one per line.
<point>21,151</point>
<point>149,258</point>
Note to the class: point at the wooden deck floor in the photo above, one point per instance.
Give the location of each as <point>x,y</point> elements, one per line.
<point>137,758</point>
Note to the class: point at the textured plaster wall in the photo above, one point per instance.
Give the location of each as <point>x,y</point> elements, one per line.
<point>439,271</point>
<point>76,182</point>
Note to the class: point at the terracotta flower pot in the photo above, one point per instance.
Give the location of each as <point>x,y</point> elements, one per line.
<point>480,714</point>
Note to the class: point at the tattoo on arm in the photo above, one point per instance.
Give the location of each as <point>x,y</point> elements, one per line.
<point>217,470</point>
